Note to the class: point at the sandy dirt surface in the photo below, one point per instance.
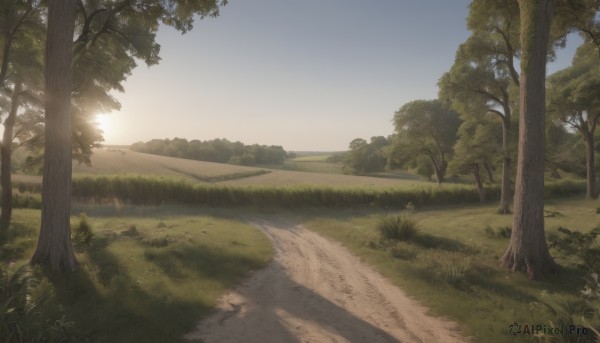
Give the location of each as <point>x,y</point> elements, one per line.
<point>316,291</point>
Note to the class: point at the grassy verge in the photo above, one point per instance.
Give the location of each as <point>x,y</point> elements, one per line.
<point>141,279</point>
<point>451,265</point>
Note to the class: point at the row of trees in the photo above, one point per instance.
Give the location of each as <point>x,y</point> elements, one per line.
<point>59,62</point>
<point>485,99</point>
<point>216,150</point>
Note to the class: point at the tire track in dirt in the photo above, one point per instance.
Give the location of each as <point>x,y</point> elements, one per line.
<point>314,290</point>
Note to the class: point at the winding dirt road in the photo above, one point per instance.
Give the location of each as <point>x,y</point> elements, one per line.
<point>314,290</point>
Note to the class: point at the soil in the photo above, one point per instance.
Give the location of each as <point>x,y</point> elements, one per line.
<point>314,290</point>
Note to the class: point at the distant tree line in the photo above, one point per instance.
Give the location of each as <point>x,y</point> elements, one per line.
<point>216,150</point>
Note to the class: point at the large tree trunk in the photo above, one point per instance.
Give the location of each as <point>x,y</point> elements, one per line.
<point>440,173</point>
<point>504,207</point>
<point>54,246</point>
<point>6,160</point>
<point>527,249</point>
<point>590,167</point>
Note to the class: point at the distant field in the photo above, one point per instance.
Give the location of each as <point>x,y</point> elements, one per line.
<point>286,177</point>
<point>113,161</point>
<point>311,158</point>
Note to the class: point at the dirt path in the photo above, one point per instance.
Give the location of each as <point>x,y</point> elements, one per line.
<point>316,291</point>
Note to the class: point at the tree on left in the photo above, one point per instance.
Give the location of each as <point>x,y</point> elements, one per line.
<point>133,24</point>
<point>20,76</point>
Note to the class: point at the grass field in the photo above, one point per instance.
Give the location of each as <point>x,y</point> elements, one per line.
<point>148,276</point>
<point>452,265</point>
<point>177,260</point>
<point>125,162</point>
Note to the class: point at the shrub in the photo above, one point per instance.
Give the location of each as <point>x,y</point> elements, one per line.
<point>83,231</point>
<point>132,231</point>
<point>397,228</point>
<point>583,311</point>
<point>500,232</point>
<point>22,316</point>
<point>454,273</point>
<point>580,245</point>
<point>403,250</point>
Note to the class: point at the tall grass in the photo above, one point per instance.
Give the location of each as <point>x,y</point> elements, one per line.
<point>162,190</point>
<point>156,190</point>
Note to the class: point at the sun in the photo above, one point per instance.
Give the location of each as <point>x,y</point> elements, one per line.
<point>103,122</point>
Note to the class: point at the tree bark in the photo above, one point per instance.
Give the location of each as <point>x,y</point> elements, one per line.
<point>489,172</point>
<point>590,164</point>
<point>478,183</point>
<point>528,249</point>
<point>504,207</point>
<point>54,246</point>
<point>6,160</point>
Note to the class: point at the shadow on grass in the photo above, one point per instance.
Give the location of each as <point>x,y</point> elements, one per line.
<point>205,262</point>
<point>107,305</point>
<point>18,240</point>
<point>429,241</point>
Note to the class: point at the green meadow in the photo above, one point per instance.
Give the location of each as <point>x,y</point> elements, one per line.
<point>156,249</point>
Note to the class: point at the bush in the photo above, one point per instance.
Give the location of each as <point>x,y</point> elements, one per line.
<point>132,231</point>
<point>397,228</point>
<point>22,316</point>
<point>580,245</point>
<point>83,231</point>
<point>584,312</point>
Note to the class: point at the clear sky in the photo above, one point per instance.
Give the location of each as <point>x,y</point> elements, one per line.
<point>307,75</point>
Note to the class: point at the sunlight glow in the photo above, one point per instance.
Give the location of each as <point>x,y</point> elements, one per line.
<point>103,122</point>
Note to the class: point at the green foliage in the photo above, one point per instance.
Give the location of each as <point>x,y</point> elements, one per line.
<point>363,157</point>
<point>127,288</point>
<point>22,308</point>
<point>424,128</point>
<point>582,311</point>
<point>397,228</point>
<point>216,150</point>
<point>83,232</point>
<point>403,250</point>
<point>453,271</point>
<point>145,190</point>
<point>583,246</point>
<point>132,231</point>
<point>499,232</point>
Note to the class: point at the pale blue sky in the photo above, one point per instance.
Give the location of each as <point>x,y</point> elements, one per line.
<point>307,75</point>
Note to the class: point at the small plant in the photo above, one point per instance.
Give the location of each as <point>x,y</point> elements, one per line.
<point>397,228</point>
<point>132,231</point>
<point>551,214</point>
<point>83,231</point>
<point>500,232</point>
<point>403,251</point>
<point>454,272</point>
<point>22,316</point>
<point>410,207</point>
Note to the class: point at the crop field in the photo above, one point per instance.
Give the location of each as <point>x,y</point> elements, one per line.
<point>126,162</point>
<point>112,161</point>
<point>310,158</point>
<point>288,177</point>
